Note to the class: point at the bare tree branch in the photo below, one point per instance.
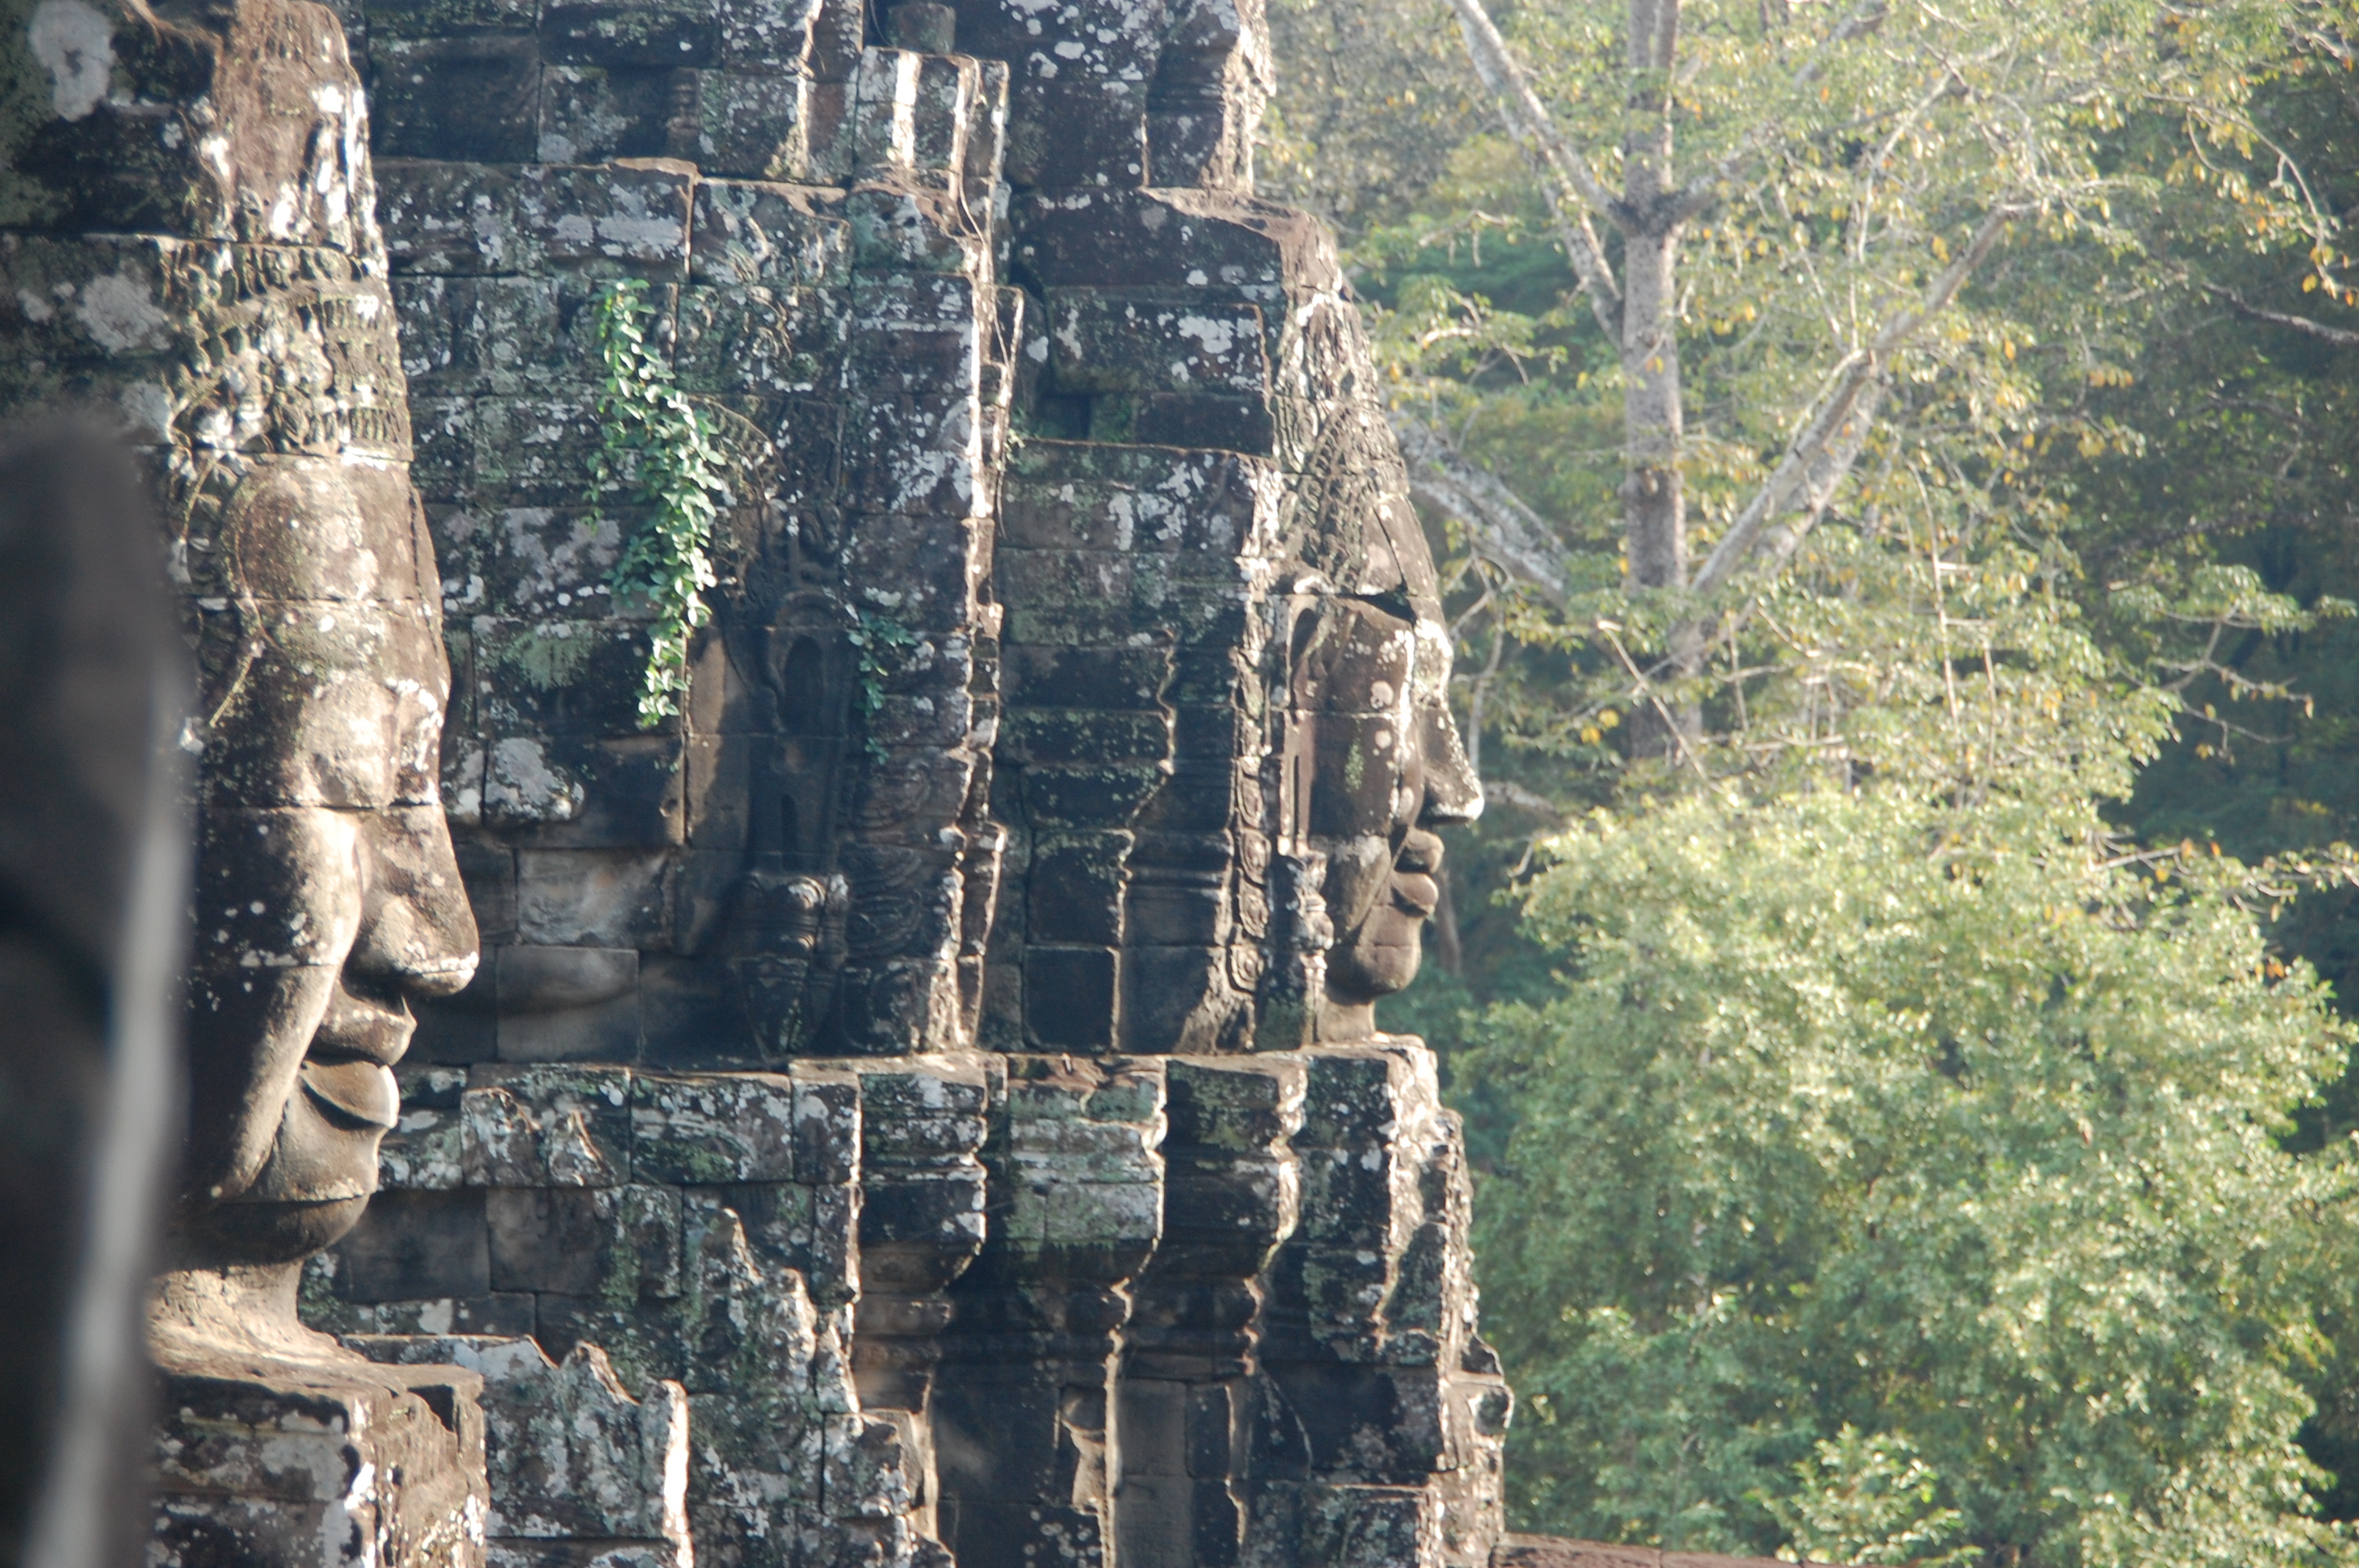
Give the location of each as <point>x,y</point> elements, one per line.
<point>1673,730</point>
<point>1780,540</point>
<point>1501,529</point>
<point>1574,191</point>
<point>2341,337</point>
<point>1508,792</point>
<point>1839,418</point>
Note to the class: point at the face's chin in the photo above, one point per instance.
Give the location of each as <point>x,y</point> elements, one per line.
<point>322,1160</point>
<point>255,1234</point>
<point>1381,955</point>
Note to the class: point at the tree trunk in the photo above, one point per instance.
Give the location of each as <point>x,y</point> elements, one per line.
<point>1653,501</point>
<point>1654,504</point>
<point>1654,420</point>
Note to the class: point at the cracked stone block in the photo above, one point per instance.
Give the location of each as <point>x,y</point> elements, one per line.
<point>768,32</point>
<point>714,1128</point>
<point>472,96</point>
<point>416,1244</point>
<point>1107,340</point>
<point>571,1456</point>
<point>748,231</point>
<point>751,122</point>
<point>426,1150</point>
<point>783,340</point>
<point>589,114</point>
<point>546,1127</point>
<point>615,221</point>
<point>618,1244</point>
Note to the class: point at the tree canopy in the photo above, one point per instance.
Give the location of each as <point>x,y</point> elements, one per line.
<point>1890,461</point>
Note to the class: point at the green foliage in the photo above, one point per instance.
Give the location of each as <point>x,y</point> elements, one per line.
<point>880,644</point>
<point>1921,1149</point>
<point>1373,100</point>
<point>1870,1499</point>
<point>659,446</point>
<point>1885,1088</point>
<point>1955,1128</point>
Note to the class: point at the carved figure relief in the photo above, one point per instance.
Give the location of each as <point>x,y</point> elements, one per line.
<point>327,900</point>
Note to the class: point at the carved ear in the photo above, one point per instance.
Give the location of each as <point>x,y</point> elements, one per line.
<point>1382,572</point>
<point>1412,555</point>
<point>1296,702</point>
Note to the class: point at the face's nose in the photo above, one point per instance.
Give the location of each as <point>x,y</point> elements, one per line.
<point>1452,794</point>
<point>417,934</point>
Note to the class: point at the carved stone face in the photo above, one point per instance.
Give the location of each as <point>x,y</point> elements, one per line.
<point>327,900</point>
<point>1382,768</point>
<point>1375,763</point>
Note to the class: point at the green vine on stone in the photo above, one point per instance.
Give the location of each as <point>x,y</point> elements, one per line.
<point>879,639</point>
<point>659,444</point>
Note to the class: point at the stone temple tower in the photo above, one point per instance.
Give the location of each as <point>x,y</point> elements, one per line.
<point>921,1101</point>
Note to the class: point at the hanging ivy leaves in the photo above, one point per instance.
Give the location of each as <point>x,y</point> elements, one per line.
<point>662,449</point>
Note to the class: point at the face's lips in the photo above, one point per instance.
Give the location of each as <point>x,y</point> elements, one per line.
<point>357,1090</point>
<point>1415,893</point>
<point>361,1029</point>
<point>348,1070</point>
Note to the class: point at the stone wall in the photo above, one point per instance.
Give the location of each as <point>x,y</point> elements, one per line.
<point>750,880</point>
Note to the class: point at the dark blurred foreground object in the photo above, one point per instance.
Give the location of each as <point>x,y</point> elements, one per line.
<point>94,851</point>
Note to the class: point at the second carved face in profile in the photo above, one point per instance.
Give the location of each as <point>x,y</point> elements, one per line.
<point>1373,763</point>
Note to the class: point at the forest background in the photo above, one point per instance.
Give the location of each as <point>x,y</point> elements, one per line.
<point>1892,461</point>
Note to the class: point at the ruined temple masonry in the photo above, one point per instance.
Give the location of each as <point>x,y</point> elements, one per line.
<point>920,1104</point>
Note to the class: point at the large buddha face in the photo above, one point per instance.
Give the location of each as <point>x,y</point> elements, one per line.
<point>327,900</point>
<point>1374,761</point>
